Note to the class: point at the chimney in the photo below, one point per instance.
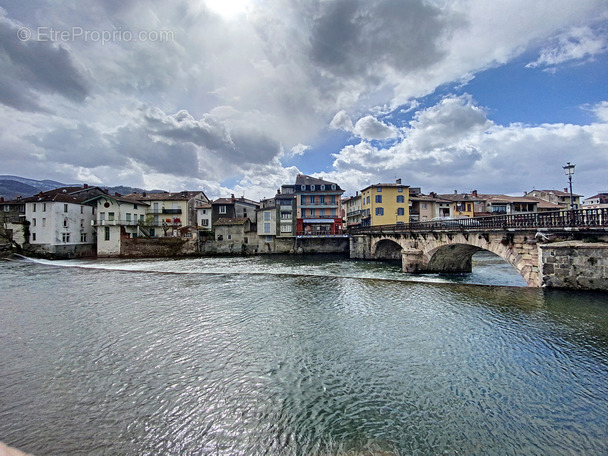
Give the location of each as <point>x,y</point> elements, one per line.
<point>455,192</point>
<point>475,193</point>
<point>278,191</point>
<point>85,185</point>
<point>565,190</point>
<point>116,194</point>
<point>398,181</point>
<point>143,194</point>
<point>1,199</point>
<point>232,197</point>
<point>356,192</point>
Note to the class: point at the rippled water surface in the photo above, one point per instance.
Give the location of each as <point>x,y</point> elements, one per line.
<point>296,356</point>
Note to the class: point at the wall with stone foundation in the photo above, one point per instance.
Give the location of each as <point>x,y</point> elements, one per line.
<point>575,264</point>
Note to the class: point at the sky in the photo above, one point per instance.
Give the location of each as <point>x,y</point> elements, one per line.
<point>239,96</point>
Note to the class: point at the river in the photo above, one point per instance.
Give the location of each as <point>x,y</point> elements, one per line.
<point>296,355</point>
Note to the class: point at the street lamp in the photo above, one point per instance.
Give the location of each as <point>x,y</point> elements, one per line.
<point>569,170</point>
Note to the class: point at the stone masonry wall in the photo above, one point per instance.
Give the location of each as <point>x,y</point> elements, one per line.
<point>575,264</point>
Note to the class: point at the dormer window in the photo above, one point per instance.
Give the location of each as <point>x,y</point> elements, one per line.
<point>303,187</point>
<point>312,188</point>
<point>333,186</point>
<point>322,187</point>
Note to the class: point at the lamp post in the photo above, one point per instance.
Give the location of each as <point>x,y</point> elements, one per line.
<point>569,170</point>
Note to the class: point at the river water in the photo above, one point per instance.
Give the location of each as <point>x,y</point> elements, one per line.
<point>296,355</point>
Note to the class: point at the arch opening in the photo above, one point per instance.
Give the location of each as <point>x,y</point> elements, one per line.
<point>452,258</point>
<point>387,249</point>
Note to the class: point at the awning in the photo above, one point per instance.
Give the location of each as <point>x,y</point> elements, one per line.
<point>318,220</point>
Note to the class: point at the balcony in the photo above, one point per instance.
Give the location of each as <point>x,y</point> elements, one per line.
<point>172,211</point>
<point>115,222</point>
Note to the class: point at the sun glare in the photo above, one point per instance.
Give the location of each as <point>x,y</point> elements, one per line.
<point>227,8</point>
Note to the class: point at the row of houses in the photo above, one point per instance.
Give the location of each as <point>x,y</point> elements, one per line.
<point>88,221</point>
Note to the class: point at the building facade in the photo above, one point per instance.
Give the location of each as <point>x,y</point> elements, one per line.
<point>385,204</point>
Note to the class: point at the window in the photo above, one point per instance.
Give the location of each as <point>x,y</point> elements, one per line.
<point>285,228</point>
<point>155,208</point>
<point>34,208</point>
<point>110,215</point>
<point>102,216</point>
<point>33,236</point>
<point>205,222</point>
<point>65,237</point>
<point>312,188</point>
<point>379,189</point>
<point>220,237</point>
<point>65,223</point>
<point>153,232</point>
<point>333,186</point>
<point>83,237</point>
<point>135,207</point>
<point>368,200</point>
<point>400,190</point>
<point>81,223</point>
<point>423,205</point>
<point>43,222</point>
<point>82,209</point>
<point>204,211</point>
<point>65,208</point>
<point>142,218</point>
<point>468,207</point>
<point>303,200</point>
<point>268,238</point>
<point>400,199</point>
<point>128,216</point>
<point>107,233</point>
<point>229,237</point>
<point>379,211</point>
<point>322,212</point>
<point>312,212</point>
<point>33,222</point>
<point>43,207</point>
<point>303,187</point>
<point>332,199</point>
<point>322,187</point>
<point>378,198</point>
<point>267,216</point>
<point>313,200</point>
<point>303,213</point>
<point>222,209</point>
<point>322,199</point>
<point>400,211</point>
<point>266,228</point>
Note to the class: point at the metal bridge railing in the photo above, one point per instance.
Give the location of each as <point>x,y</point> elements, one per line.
<point>579,218</point>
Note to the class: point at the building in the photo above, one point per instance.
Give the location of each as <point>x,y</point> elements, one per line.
<point>424,208</point>
<point>385,204</point>
<point>60,222</point>
<point>118,218</point>
<point>204,216</point>
<point>277,216</point>
<point>167,213</point>
<point>562,198</point>
<point>599,201</point>
<point>318,206</point>
<point>233,208</point>
<point>353,210</point>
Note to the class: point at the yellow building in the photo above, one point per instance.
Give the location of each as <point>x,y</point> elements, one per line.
<point>385,204</point>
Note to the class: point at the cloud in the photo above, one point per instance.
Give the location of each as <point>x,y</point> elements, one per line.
<point>29,67</point>
<point>577,44</point>
<point>368,127</point>
<point>455,138</point>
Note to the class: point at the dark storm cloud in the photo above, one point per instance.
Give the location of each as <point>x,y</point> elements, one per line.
<point>353,37</point>
<point>35,66</point>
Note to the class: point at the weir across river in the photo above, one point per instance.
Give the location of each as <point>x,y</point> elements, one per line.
<point>565,249</point>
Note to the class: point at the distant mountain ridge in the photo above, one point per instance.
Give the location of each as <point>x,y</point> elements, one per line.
<point>13,186</point>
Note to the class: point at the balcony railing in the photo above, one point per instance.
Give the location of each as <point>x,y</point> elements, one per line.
<point>114,222</point>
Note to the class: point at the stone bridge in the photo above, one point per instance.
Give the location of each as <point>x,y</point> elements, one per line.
<point>559,256</point>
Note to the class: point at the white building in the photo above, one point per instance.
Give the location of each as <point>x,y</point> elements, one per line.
<point>117,218</point>
<point>60,222</point>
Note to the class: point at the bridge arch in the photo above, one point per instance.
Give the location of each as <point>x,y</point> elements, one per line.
<point>454,252</point>
<point>387,249</point>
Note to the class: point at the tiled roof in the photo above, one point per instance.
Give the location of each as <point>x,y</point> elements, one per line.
<point>74,195</point>
<point>303,179</point>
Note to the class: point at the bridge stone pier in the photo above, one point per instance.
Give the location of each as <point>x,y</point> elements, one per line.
<point>561,258</point>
